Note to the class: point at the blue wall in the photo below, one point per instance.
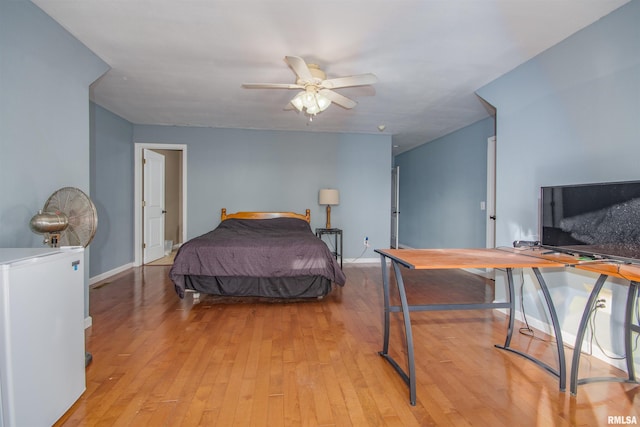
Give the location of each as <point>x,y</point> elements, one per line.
<point>442,184</point>
<point>111,190</point>
<point>570,115</point>
<point>44,116</point>
<point>272,170</point>
<point>45,75</point>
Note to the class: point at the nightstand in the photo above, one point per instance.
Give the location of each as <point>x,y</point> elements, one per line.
<point>337,240</point>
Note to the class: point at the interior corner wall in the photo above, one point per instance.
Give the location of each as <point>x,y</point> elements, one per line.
<point>249,170</point>
<point>111,190</point>
<point>568,116</point>
<point>442,185</point>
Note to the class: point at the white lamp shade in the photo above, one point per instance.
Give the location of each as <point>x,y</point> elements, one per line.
<point>310,101</point>
<point>323,102</point>
<point>329,196</point>
<point>297,101</point>
<point>313,110</point>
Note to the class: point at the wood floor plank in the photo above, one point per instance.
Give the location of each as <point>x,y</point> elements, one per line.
<point>159,360</point>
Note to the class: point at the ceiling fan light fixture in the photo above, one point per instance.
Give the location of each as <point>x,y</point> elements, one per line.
<point>297,101</point>
<point>322,101</point>
<point>313,110</point>
<point>318,92</point>
<point>309,99</point>
<point>311,102</point>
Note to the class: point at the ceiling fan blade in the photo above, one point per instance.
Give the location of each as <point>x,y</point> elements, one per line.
<point>348,81</point>
<point>271,86</point>
<point>300,67</point>
<point>336,98</point>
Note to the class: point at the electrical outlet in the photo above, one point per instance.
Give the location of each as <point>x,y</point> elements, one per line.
<point>605,301</point>
<point>366,242</point>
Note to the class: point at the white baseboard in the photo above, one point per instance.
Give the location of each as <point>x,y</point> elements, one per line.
<point>361,261</point>
<point>569,341</point>
<point>107,274</point>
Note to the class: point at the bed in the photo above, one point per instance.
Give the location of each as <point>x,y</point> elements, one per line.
<point>257,254</point>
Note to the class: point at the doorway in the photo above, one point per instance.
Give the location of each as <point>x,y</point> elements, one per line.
<point>176,206</point>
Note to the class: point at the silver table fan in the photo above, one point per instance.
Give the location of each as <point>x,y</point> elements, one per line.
<point>68,218</point>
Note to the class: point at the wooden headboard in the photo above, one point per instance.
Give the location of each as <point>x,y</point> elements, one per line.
<point>265,215</point>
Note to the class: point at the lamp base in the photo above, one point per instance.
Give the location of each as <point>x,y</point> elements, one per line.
<point>328,225</point>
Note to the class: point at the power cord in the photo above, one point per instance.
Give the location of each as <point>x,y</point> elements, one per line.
<point>333,249</point>
<point>527,330</point>
<point>592,328</point>
<point>361,254</point>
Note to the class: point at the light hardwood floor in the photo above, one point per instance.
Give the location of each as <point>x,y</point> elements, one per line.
<point>163,361</point>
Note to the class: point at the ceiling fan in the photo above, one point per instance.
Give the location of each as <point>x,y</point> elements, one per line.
<point>316,91</point>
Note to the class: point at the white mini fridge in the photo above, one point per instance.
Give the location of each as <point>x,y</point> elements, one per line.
<point>42,352</point>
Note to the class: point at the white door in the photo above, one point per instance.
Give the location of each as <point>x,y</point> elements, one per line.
<point>395,205</point>
<point>153,206</point>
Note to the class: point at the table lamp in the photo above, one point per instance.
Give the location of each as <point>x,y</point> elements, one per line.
<point>329,196</point>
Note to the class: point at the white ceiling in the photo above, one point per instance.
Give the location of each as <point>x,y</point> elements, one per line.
<point>182,62</point>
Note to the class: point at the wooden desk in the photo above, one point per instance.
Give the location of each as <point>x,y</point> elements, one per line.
<point>507,258</point>
<point>420,259</point>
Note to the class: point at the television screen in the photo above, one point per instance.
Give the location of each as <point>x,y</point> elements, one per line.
<point>594,219</point>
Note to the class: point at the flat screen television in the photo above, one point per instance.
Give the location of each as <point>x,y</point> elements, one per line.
<point>600,220</point>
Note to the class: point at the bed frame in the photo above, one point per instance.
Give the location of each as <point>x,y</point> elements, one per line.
<point>313,283</point>
<point>265,215</point>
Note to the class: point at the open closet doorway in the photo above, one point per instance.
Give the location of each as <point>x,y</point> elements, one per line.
<point>174,199</point>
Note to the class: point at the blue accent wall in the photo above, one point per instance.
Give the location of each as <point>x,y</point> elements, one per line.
<point>112,190</point>
<point>45,75</point>
<point>250,170</point>
<point>570,115</point>
<point>442,184</point>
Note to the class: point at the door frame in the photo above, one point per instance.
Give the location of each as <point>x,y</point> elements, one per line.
<point>491,193</point>
<point>138,226</point>
<point>395,206</point>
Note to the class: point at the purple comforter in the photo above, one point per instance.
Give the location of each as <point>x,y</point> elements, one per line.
<point>278,247</point>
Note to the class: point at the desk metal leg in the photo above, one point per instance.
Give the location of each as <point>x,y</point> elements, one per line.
<point>385,291</point>
<point>409,379</point>
<point>629,328</point>
<point>582,329</point>
<point>507,341</point>
<point>562,364</point>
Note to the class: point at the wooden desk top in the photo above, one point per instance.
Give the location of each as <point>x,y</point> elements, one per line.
<point>422,259</point>
<point>629,272</point>
<point>610,268</point>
